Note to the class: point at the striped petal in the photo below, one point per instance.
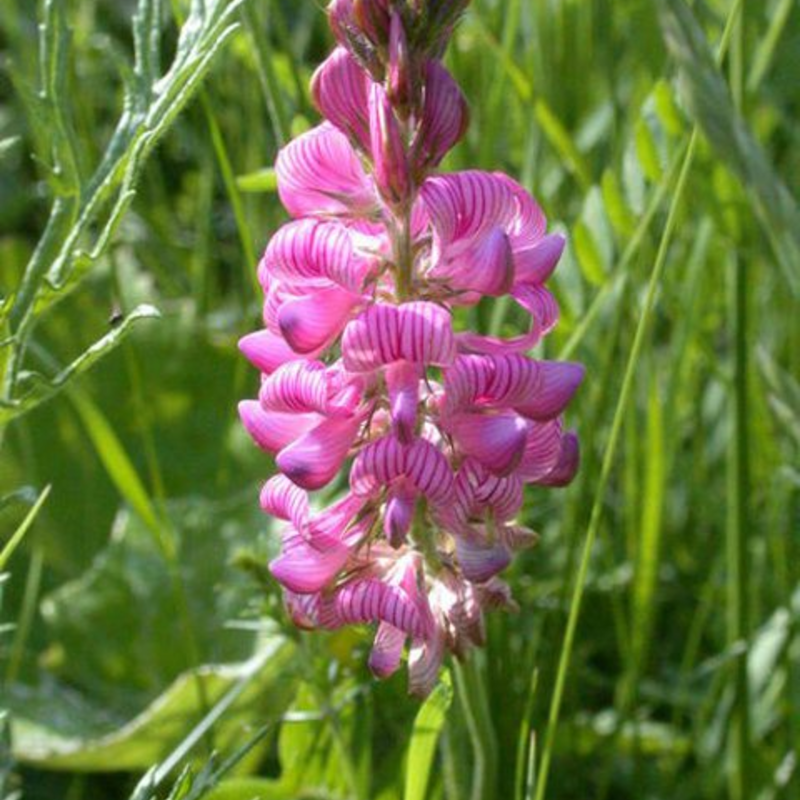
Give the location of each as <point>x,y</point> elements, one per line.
<point>429,471</point>
<point>299,387</point>
<point>283,500</point>
<point>389,157</point>
<point>320,174</point>
<point>339,90</point>
<point>444,118</point>
<point>480,560</point>
<point>387,650</point>
<point>418,332</point>
<point>497,440</point>
<point>424,663</point>
<point>313,460</point>
<point>558,382</point>
<point>377,465</point>
<point>398,516</point>
<point>314,321</point>
<point>273,431</point>
<point>542,450</point>
<point>315,251</point>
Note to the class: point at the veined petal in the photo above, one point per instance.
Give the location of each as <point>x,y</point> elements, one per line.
<point>284,500</point>
<point>426,334</point>
<point>429,471</point>
<point>424,663</point>
<point>479,560</point>
<point>320,174</point>
<point>566,468</point>
<point>398,516</point>
<point>341,523</point>
<point>444,118</point>
<point>387,651</point>
<point>271,430</point>
<point>304,569</point>
<point>542,450</point>
<point>402,381</point>
<point>314,321</point>
<point>314,252</point>
<point>496,440</point>
<point>267,351</point>
<point>303,609</point>
<point>313,460</point>
<point>372,339</point>
<point>377,465</point>
<point>300,386</point>
<point>389,157</point>
<point>339,90</point>
<point>536,263</point>
<point>361,601</point>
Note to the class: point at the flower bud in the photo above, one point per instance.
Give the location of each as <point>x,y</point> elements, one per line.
<point>399,82</point>
<point>389,154</point>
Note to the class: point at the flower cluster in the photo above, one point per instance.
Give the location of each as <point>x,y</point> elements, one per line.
<point>360,359</point>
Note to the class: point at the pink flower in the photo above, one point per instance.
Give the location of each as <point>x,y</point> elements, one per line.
<point>361,364</point>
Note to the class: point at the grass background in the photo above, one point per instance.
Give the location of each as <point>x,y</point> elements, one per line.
<point>656,654</point>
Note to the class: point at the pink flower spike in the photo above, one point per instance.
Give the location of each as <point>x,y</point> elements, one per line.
<point>272,431</point>
<point>313,460</point>
<point>314,321</point>
<point>339,90</point>
<point>320,174</point>
<point>392,171</point>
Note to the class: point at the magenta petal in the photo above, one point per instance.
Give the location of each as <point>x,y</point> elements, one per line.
<point>536,263</point>
<point>424,663</point>
<point>312,251</point>
<point>266,351</point>
<point>313,460</point>
<point>314,321</point>
<point>429,471</point>
<point>301,386</point>
<point>284,500</point>
<point>398,517</point>
<point>387,651</point>
<point>337,524</point>
<point>444,118</point>
<point>566,468</point>
<point>339,89</point>
<point>427,334</point>
<point>402,381</point>
<point>558,382</point>
<point>542,450</point>
<point>377,465</point>
<point>497,440</point>
<point>372,339</point>
<point>389,156</point>
<point>319,174</point>
<point>480,561</point>
<point>303,569</point>
<point>271,430</point>
<point>487,268</point>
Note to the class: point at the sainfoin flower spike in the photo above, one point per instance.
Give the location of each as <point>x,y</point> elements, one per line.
<point>363,370</point>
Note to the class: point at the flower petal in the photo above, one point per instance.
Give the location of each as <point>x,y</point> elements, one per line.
<point>284,500</point>
<point>304,569</point>
<point>320,174</point>
<point>542,450</point>
<point>271,430</point>
<point>266,351</point>
<point>444,118</point>
<point>313,460</point>
<point>300,386</point>
<point>496,440</point>
<point>402,381</point>
<point>558,382</point>
<point>480,560</point>
<point>536,263</point>
<point>568,463</point>
<point>389,157</point>
<point>339,90</point>
<point>314,321</point>
<point>424,663</point>
<point>398,517</point>
<point>429,471</point>
<point>377,465</point>
<point>387,651</point>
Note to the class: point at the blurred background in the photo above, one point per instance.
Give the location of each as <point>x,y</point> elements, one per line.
<point>142,572</point>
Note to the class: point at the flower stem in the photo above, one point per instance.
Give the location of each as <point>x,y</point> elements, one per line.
<point>404,262</point>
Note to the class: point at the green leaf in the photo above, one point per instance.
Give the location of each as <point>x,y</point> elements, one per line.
<point>258,689</point>
<point>588,252</point>
<point>710,104</point>
<point>13,542</point>
<point>562,142</point>
<point>41,389</point>
<point>425,737</point>
<point>250,789</point>
<point>7,145</point>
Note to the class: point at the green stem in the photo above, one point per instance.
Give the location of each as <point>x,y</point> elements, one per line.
<point>404,262</point>
<point>475,705</point>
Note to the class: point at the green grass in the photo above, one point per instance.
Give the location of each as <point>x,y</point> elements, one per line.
<point>657,653</point>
